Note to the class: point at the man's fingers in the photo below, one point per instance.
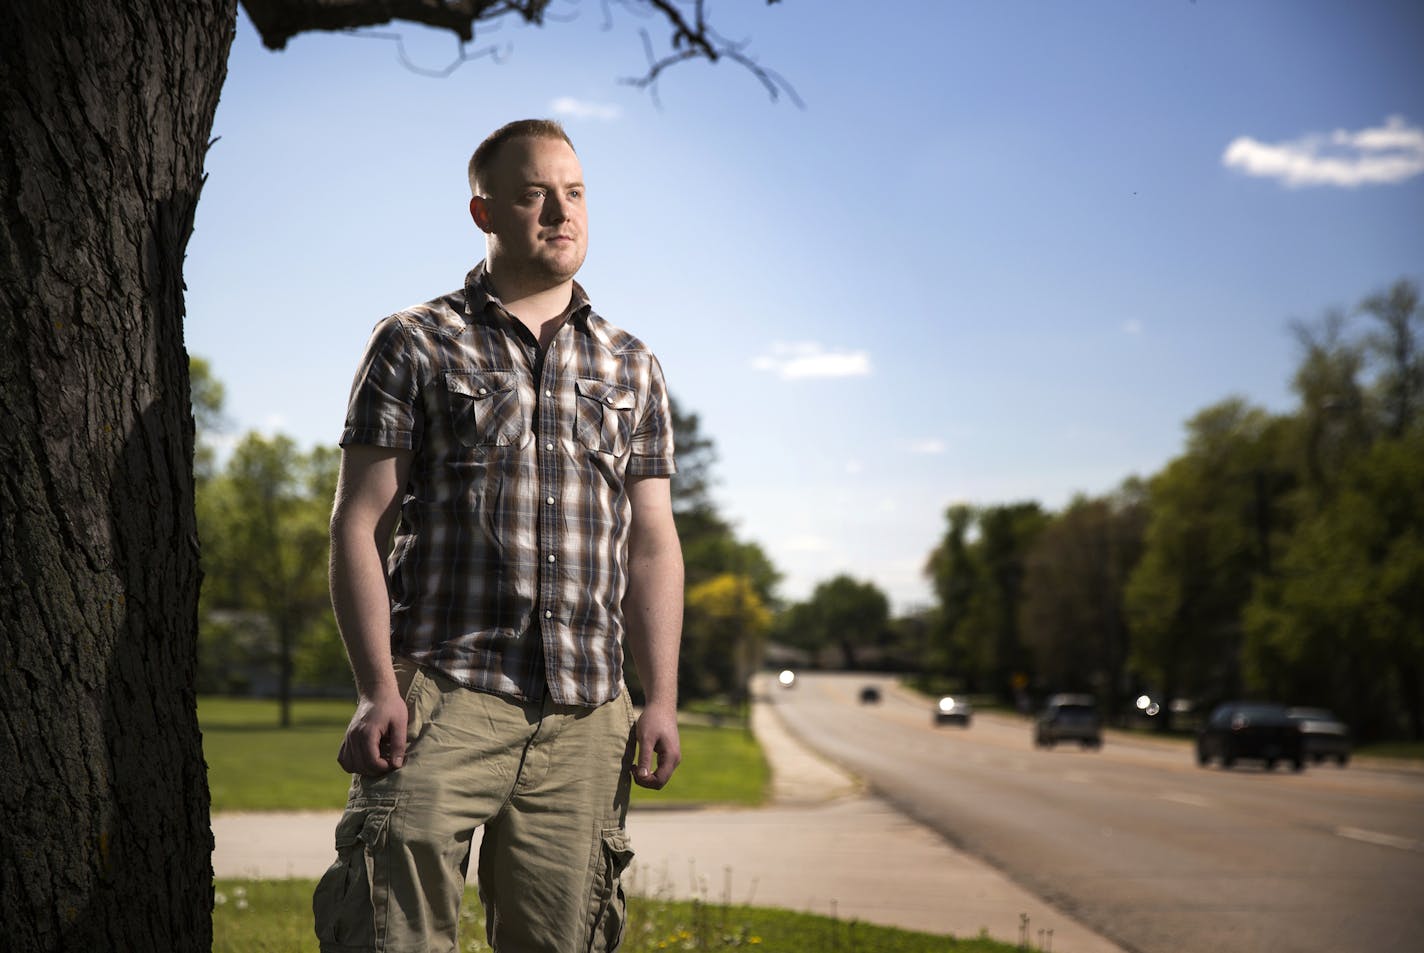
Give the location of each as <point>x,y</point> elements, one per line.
<point>343,758</point>
<point>643,766</point>
<point>667,761</point>
<point>395,753</point>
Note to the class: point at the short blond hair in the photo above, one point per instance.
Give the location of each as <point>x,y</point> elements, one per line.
<point>484,156</point>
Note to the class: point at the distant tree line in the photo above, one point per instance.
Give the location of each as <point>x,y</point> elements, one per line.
<point>1279,556</point>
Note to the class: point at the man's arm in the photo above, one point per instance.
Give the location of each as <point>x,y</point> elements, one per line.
<point>652,614</point>
<point>362,518</point>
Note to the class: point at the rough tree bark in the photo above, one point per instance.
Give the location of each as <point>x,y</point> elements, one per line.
<point>106,113</point>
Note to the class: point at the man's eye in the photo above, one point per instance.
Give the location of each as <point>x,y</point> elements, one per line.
<point>534,194</point>
<point>576,193</point>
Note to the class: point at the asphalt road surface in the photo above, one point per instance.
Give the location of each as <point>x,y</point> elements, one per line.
<point>1136,840</point>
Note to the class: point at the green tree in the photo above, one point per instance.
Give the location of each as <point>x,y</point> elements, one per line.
<point>725,625</point>
<point>1335,422</point>
<point>1338,624</point>
<point>1006,535</point>
<point>954,574</point>
<point>1399,354</point>
<point>978,571</point>
<point>720,647</point>
<point>1077,570</point>
<point>1343,623</point>
<point>1217,516</point>
<point>696,456</point>
<point>710,547</point>
<point>263,526</point>
<point>843,613</point>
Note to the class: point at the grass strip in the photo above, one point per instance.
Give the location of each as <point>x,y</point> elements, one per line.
<point>268,916</point>
<point>254,765</point>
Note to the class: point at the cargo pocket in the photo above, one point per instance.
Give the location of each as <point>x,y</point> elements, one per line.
<point>604,416</point>
<point>609,907</point>
<point>345,905</point>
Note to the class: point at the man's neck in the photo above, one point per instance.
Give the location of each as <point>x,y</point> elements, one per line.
<point>538,309</point>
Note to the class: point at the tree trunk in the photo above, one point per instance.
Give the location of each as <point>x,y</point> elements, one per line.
<point>104,121</point>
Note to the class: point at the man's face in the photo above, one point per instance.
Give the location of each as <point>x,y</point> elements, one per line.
<point>533,211</point>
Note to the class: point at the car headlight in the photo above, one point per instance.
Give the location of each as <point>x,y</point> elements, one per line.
<point>946,704</point>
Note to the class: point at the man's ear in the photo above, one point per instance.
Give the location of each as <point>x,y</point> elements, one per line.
<point>479,211</point>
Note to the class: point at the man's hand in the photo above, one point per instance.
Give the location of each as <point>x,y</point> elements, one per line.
<point>656,733</point>
<point>375,740</point>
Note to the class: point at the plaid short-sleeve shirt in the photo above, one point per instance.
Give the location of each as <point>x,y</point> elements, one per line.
<point>509,563</point>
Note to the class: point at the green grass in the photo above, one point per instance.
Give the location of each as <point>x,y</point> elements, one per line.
<point>719,766</point>
<point>274,916</point>
<point>1402,750</point>
<point>255,766</point>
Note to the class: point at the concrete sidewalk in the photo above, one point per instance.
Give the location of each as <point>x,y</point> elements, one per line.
<point>823,846</point>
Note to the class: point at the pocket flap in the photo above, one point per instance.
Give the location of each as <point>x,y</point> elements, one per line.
<point>363,824</point>
<point>479,385</point>
<point>608,395</point>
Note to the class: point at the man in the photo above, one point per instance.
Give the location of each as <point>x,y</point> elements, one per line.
<point>517,448</point>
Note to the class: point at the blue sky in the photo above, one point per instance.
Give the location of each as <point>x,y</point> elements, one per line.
<point>1004,253</point>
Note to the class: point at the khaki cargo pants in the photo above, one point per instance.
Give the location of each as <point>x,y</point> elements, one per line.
<point>550,786</point>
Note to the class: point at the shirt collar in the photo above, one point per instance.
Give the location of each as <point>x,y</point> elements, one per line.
<point>480,295</point>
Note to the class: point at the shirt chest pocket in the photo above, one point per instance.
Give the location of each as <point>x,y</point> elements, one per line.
<point>484,407</point>
<point>603,419</point>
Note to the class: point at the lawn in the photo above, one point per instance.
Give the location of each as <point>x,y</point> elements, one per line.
<point>264,916</point>
<point>255,766</point>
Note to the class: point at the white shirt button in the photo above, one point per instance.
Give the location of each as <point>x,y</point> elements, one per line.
<point>548,614</point>
<point>483,391</point>
<point>548,393</point>
<point>551,557</point>
<point>549,500</point>
<point>548,446</point>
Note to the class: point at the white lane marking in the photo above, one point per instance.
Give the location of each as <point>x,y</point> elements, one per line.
<point>1195,800</point>
<point>1382,840</point>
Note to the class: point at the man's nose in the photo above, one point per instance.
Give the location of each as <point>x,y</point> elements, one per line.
<point>554,210</point>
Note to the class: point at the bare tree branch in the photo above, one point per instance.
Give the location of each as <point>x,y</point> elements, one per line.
<point>463,56</point>
<point>277,21</point>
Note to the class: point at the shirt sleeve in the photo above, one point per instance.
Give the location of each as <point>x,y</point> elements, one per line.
<point>383,408</point>
<point>652,450</point>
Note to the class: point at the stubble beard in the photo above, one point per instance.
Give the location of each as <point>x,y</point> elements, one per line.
<point>559,267</point>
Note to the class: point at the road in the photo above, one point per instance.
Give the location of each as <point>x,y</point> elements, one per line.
<point>1135,840</point>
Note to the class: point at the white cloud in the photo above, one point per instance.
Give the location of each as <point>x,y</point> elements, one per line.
<point>800,360</point>
<point>1383,155</point>
<point>582,109</point>
<point>929,445</point>
<point>1132,326</point>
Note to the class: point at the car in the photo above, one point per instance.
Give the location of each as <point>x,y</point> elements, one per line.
<point>953,711</point>
<point>1323,736</point>
<point>870,695</point>
<point>1260,731</point>
<point>1069,717</point>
